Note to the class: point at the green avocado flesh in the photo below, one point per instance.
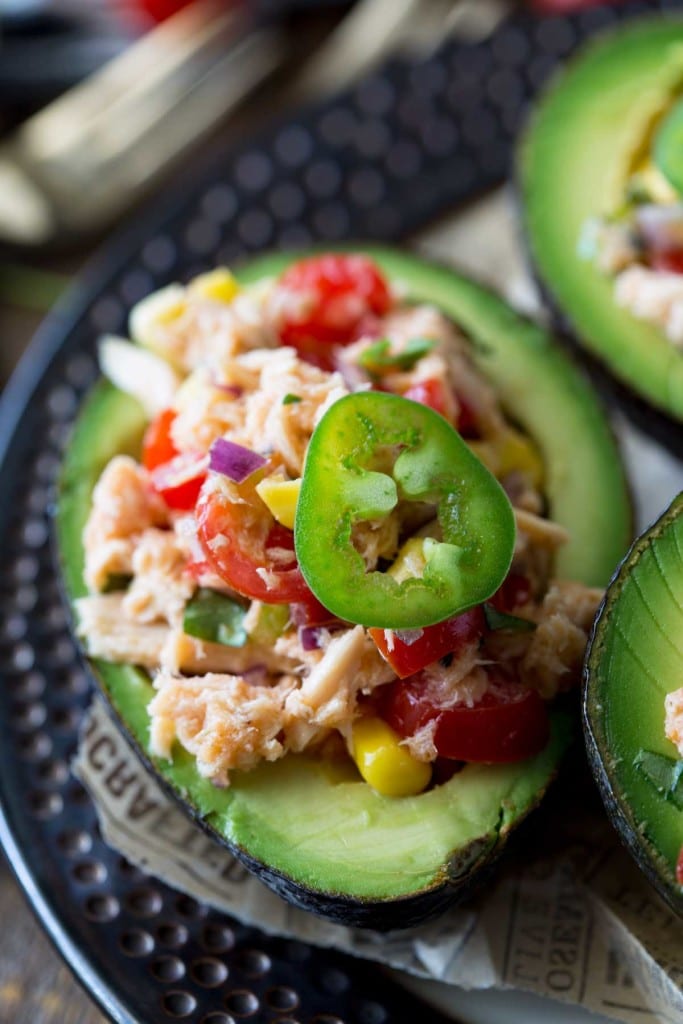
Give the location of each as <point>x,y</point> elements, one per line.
<point>317,825</point>
<point>635,659</point>
<point>574,162</point>
<point>668,146</point>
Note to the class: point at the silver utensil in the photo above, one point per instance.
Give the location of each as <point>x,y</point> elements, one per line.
<point>86,157</point>
<point>375,28</point>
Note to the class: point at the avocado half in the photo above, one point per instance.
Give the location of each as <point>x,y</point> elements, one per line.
<point>635,658</point>
<point>584,137</point>
<point>318,835</point>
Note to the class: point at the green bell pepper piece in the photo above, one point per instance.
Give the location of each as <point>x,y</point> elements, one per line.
<point>664,773</point>
<point>378,357</point>
<point>496,620</point>
<point>369,451</point>
<point>216,618</point>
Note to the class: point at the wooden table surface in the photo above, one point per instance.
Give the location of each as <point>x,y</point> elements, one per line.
<point>35,986</point>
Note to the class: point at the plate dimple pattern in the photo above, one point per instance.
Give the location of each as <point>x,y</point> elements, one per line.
<point>378,162</point>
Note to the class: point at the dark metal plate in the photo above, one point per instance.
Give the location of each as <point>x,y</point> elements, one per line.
<point>378,162</point>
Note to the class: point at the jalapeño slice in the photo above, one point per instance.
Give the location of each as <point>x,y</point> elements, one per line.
<point>370,451</point>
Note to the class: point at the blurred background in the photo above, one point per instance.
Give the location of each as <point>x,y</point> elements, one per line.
<point>106,102</point>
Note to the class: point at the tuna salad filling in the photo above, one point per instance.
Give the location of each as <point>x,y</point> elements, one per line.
<point>208,561</point>
<point>640,244</point>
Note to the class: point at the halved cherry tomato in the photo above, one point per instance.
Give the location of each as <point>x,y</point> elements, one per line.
<point>430,643</point>
<point>243,545</point>
<point>179,481</point>
<point>176,477</point>
<point>679,868</point>
<point>161,9</point>
<point>434,393</point>
<point>338,292</point>
<point>509,723</point>
<point>157,446</point>
<point>670,260</point>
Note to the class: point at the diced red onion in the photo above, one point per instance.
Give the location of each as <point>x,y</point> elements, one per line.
<point>234,390</point>
<point>408,636</point>
<point>309,637</point>
<point>233,460</point>
<point>256,675</point>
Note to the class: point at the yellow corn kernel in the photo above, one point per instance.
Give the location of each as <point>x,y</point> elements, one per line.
<point>157,310</point>
<point>410,560</point>
<point>648,177</point>
<point>385,765</point>
<point>281,497</point>
<point>517,453</point>
<point>218,285</point>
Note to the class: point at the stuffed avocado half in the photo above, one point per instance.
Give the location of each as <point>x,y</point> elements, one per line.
<point>309,825</point>
<point>602,204</point>
<point>633,699</point>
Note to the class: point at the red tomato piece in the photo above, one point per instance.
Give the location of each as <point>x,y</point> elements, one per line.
<point>338,292</point>
<point>161,9</point>
<point>679,868</point>
<point>430,643</point>
<point>508,724</point>
<point>157,446</point>
<point>179,481</point>
<point>239,539</point>
<point>435,394</point>
<point>311,613</point>
<point>670,260</point>
<point>513,591</point>
<point>467,423</point>
<point>370,326</point>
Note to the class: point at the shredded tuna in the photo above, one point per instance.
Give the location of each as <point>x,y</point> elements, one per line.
<point>328,694</point>
<point>653,295</point>
<point>222,720</point>
<point>161,587</point>
<point>270,425</point>
<point>200,332</point>
<point>673,723</point>
<point>204,412</point>
<point>123,506</point>
<point>556,648</point>
<point>543,532</point>
<point>108,634</point>
<point>616,246</point>
<point>374,539</point>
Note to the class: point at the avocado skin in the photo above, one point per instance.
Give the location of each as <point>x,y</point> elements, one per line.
<point>569,170</point>
<point>642,817</point>
<point>593,481</point>
<point>468,869</point>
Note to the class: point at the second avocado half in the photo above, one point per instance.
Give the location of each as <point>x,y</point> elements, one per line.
<point>597,123</point>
